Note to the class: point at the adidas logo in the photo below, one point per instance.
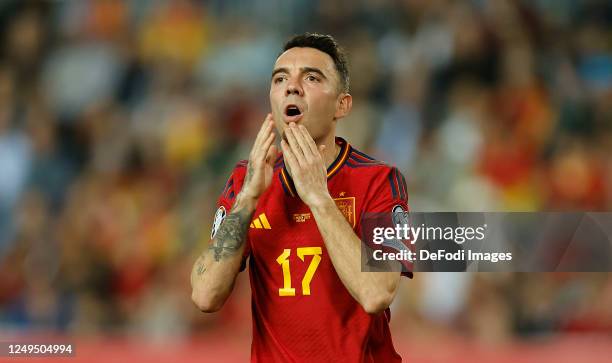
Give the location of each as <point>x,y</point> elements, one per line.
<point>261,222</point>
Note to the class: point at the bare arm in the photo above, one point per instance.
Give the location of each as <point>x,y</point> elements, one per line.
<point>214,272</point>
<point>373,290</point>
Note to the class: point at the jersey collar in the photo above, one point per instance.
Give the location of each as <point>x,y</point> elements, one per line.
<point>345,150</point>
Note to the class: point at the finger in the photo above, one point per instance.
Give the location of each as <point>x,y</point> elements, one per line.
<point>302,143</point>
<point>268,144</point>
<point>263,131</point>
<point>267,129</point>
<point>289,156</point>
<point>262,151</point>
<point>293,144</point>
<point>309,141</point>
<point>271,156</point>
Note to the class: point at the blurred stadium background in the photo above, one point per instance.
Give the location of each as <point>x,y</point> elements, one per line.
<point>120,120</point>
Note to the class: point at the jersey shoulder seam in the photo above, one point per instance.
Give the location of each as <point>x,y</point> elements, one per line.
<point>358,159</point>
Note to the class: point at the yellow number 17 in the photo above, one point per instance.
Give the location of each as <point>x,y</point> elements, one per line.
<point>282,260</point>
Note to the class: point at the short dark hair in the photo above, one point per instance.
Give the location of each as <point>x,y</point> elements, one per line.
<point>326,44</point>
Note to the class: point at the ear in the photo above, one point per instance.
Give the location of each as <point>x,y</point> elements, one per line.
<point>345,103</point>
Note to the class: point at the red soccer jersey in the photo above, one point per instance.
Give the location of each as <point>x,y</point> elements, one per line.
<point>301,310</point>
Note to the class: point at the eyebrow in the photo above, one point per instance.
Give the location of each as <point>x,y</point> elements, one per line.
<point>302,70</point>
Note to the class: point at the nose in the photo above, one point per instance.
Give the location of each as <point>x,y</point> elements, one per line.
<point>293,88</point>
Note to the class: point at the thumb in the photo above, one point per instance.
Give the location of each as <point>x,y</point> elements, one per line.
<point>271,155</point>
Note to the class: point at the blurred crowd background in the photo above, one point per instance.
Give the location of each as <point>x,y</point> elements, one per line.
<point>121,120</point>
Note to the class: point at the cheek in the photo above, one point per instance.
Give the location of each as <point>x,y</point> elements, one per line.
<point>322,101</point>
<point>325,106</point>
<point>274,97</point>
<point>275,107</point>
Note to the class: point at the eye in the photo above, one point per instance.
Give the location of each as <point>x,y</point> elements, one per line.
<point>312,78</point>
<point>279,79</point>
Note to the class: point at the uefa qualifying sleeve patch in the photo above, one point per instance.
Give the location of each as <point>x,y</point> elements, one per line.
<point>219,217</point>
<point>399,215</point>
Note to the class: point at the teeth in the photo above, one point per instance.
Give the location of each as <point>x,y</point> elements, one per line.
<point>293,111</point>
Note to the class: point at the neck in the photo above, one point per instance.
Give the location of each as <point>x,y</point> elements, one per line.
<point>331,151</point>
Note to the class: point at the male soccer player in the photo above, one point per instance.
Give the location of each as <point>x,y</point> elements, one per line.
<point>297,219</point>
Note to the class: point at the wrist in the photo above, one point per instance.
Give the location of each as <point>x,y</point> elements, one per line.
<point>321,204</point>
<point>246,202</point>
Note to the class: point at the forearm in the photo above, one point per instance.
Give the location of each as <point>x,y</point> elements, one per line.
<point>373,290</point>
<point>214,272</point>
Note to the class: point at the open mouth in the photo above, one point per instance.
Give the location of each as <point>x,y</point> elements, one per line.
<point>292,111</point>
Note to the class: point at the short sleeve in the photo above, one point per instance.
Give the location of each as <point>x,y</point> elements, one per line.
<point>389,190</point>
<point>386,205</point>
<point>226,200</point>
<point>232,186</point>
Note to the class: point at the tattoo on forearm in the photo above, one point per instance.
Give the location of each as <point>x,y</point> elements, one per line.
<point>250,172</point>
<point>200,269</point>
<point>231,235</point>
